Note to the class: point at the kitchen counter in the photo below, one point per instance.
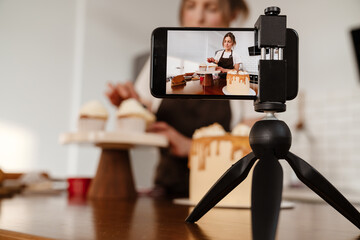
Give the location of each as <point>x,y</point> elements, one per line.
<point>59,217</point>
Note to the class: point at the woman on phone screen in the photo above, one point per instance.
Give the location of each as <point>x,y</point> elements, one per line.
<point>177,119</point>
<point>226,59</point>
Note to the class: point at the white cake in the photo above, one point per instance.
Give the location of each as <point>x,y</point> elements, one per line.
<point>213,151</point>
<point>238,83</point>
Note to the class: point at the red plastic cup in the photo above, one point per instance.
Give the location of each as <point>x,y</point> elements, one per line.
<point>78,187</point>
<point>201,79</point>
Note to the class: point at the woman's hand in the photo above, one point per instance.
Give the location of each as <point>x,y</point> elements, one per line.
<point>179,144</point>
<point>221,69</point>
<point>119,92</point>
<point>210,60</point>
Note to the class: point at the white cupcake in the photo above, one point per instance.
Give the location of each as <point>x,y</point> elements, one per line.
<point>133,117</point>
<point>202,67</point>
<point>92,117</point>
<point>212,67</point>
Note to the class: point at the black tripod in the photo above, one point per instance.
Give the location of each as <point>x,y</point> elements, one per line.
<point>270,139</point>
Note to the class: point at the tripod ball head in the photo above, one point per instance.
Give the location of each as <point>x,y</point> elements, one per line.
<point>270,137</point>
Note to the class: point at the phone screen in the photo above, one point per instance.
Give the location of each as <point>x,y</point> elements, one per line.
<point>204,63</point>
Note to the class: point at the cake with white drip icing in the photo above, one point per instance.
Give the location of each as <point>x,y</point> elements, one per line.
<point>238,83</point>
<point>213,151</point>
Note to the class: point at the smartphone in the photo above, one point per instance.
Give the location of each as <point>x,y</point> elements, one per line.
<point>355,33</point>
<point>200,62</point>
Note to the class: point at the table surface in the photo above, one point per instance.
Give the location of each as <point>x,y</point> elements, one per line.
<point>58,217</point>
<point>195,87</point>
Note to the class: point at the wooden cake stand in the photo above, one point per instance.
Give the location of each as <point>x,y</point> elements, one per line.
<point>208,79</point>
<point>114,178</point>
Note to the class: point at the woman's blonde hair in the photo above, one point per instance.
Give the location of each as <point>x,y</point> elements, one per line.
<point>230,9</point>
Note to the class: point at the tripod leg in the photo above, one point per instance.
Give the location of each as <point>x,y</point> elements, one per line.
<point>266,198</point>
<point>226,183</point>
<point>316,182</point>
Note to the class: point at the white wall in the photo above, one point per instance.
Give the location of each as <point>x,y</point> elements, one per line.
<point>36,48</point>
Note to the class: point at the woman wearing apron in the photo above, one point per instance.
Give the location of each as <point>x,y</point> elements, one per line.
<point>178,119</point>
<point>226,59</point>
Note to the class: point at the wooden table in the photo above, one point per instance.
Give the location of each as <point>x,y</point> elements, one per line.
<point>114,178</point>
<point>196,88</point>
<point>58,217</point>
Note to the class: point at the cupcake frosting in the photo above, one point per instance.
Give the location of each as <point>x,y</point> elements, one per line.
<point>131,107</point>
<point>93,109</point>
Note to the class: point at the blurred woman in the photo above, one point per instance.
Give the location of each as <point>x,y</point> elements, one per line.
<point>178,119</point>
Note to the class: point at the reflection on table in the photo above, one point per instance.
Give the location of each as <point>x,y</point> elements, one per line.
<point>56,216</point>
